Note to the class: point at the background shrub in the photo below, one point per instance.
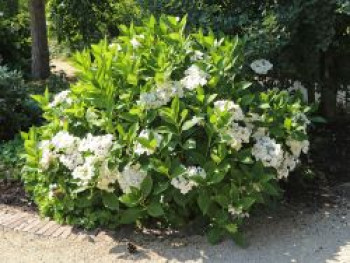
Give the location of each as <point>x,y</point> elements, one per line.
<point>17,110</point>
<point>68,23</point>
<point>11,162</point>
<point>14,36</point>
<point>162,126</point>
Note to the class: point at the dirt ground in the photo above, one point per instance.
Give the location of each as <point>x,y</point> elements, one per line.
<point>289,234</point>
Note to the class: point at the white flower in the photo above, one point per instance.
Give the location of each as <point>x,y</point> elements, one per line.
<point>260,132</point>
<point>71,161</point>
<point>47,156</point>
<point>197,55</point>
<point>238,135</point>
<point>135,43</point>
<point>150,100</point>
<point>140,149</point>
<point>261,66</point>
<point>62,97</point>
<point>99,145</point>
<point>297,147</point>
<point>230,106</point>
<point>52,188</point>
<point>1,14</point>
<point>132,176</point>
<point>84,173</point>
<point>63,141</point>
<point>268,152</point>
<point>162,95</point>
<point>115,46</point>
<point>301,117</point>
<point>252,117</point>
<point>289,164</point>
<point>196,171</point>
<point>106,178</point>
<point>237,212</point>
<point>91,116</point>
<point>298,86</point>
<point>185,182</point>
<point>194,77</point>
<point>169,89</point>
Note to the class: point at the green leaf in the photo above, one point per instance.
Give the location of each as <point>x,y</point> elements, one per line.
<point>175,106</point>
<point>189,124</point>
<point>155,209</point>
<point>245,156</point>
<point>271,190</point>
<point>160,188</point>
<point>288,123</point>
<point>215,235</point>
<point>130,200</point>
<point>264,106</point>
<point>247,202</point>
<point>231,228</point>
<point>146,186</point>
<point>190,144</point>
<point>132,79</point>
<point>129,117</point>
<point>110,201</point>
<point>83,202</point>
<point>130,215</point>
<point>203,201</point>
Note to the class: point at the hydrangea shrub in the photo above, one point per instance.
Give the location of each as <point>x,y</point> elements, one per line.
<point>161,126</point>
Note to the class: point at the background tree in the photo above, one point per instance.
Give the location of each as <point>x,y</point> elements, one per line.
<point>40,50</point>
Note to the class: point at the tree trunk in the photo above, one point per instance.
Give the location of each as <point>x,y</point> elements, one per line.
<point>329,88</point>
<point>40,49</point>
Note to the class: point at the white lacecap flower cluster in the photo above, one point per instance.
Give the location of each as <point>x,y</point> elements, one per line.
<point>162,95</point>
<point>268,151</point>
<point>194,78</point>
<point>230,106</point>
<point>52,188</point>
<point>197,55</point>
<point>134,41</point>
<point>298,86</point>
<point>271,154</point>
<point>297,147</point>
<point>115,46</point>
<point>237,212</point>
<point>140,149</point>
<point>80,156</point>
<point>301,117</point>
<point>261,66</point>
<point>60,98</point>
<point>237,134</point>
<point>98,145</point>
<point>185,182</point>
<point>47,156</point>
<point>106,177</point>
<point>131,176</point>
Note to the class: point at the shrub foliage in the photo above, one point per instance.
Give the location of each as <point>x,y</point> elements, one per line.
<point>17,110</point>
<point>161,126</point>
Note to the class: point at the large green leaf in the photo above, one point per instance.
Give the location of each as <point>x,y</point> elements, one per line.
<point>110,200</point>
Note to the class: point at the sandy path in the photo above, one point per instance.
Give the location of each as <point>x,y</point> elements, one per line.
<point>60,66</point>
<point>287,236</point>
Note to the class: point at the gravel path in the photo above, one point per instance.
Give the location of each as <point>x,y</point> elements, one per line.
<point>287,235</point>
